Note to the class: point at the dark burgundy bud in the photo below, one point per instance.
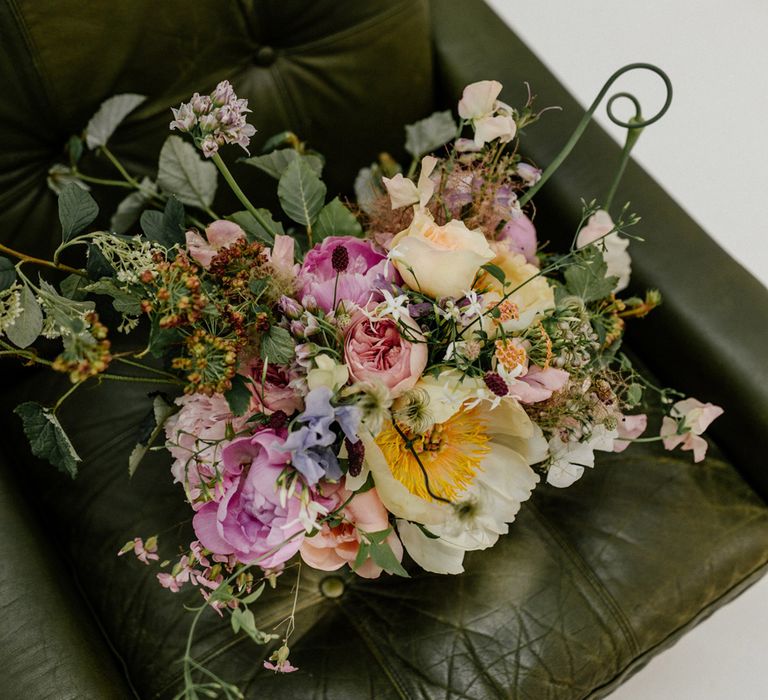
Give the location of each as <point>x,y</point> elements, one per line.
<point>340,258</point>
<point>356,455</point>
<point>496,384</point>
<point>278,420</point>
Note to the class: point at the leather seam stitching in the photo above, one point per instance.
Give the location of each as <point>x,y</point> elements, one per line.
<point>586,571</point>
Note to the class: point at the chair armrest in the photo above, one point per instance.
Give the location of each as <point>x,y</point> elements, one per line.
<point>709,337</point>
<point>50,646</point>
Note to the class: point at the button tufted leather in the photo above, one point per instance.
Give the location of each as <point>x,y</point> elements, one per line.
<point>590,582</point>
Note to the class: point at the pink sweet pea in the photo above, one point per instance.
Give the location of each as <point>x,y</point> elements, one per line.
<point>689,419</point>
<point>629,428</point>
<point>520,235</point>
<point>538,384</point>
<point>219,234</point>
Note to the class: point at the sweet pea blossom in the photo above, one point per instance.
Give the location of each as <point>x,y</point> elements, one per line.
<point>569,458</point>
<point>615,255</point>
<point>689,419</point>
<point>490,118</point>
<point>218,234</point>
<point>519,234</point>
<point>402,190</point>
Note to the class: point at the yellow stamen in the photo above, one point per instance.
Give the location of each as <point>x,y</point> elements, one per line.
<point>508,311</point>
<point>451,454</point>
<point>510,355</point>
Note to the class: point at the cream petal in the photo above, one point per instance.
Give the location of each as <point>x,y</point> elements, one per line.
<point>426,187</point>
<point>479,99</point>
<point>402,191</point>
<point>430,554</point>
<point>490,128</point>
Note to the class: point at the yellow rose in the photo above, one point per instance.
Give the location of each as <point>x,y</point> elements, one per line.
<point>522,307</point>
<point>439,261</point>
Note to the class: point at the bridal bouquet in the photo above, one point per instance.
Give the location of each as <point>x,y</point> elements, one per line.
<point>387,377</point>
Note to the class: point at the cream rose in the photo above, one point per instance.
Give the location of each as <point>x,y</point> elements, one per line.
<point>440,261</point>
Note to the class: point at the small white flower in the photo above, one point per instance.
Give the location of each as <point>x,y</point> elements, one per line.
<point>395,307</point>
<point>475,306</point>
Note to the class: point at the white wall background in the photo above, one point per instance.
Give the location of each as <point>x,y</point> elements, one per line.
<point>711,152</point>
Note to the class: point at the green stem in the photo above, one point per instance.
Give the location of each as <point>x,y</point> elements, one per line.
<point>128,177</point>
<point>582,125</point>
<point>45,263</point>
<point>224,170</point>
<point>65,396</point>
<point>101,181</point>
<point>631,140</point>
<point>161,372</point>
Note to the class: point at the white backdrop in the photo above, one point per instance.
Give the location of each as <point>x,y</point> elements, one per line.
<point>710,152</point>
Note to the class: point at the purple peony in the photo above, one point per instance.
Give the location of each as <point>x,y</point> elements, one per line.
<point>356,284</point>
<point>249,520</point>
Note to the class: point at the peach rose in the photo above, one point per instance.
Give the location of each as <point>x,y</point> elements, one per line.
<point>333,547</point>
<point>440,261</point>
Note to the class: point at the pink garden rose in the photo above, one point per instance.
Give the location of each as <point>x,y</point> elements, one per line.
<point>272,392</point>
<point>356,284</point>
<point>195,438</point>
<point>374,350</point>
<point>219,234</point>
<point>695,417</point>
<point>249,521</point>
<point>331,548</point>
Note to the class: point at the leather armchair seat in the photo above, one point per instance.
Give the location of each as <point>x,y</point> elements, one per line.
<point>591,581</point>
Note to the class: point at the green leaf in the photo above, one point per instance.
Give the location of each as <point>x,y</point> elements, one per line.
<point>238,397</point>
<point>253,597</point>
<point>160,339</point>
<point>77,209</point>
<point>277,346</point>
<point>123,301</point>
<point>428,134</point>
<point>184,172</point>
<point>73,287</point>
<point>495,271</point>
<point>277,162</point>
<point>254,231</point>
<point>97,265</point>
<point>336,220</point>
<point>381,553</point>
<point>284,138</point>
<point>75,149</point>
<point>167,227</point>
<point>7,273</point>
<point>150,428</point>
<point>634,394</point>
<point>107,119</point>
<point>301,192</point>
<point>28,325</point>
<point>586,277</point>
<point>129,208</point>
<point>47,438</point>
<point>59,176</point>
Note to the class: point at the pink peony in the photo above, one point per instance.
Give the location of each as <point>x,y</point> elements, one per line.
<point>196,436</point>
<point>273,392</point>
<point>357,284</point>
<point>250,521</point>
<point>692,418</point>
<point>520,235</point>
<point>332,547</point>
<point>374,350</point>
<point>219,234</point>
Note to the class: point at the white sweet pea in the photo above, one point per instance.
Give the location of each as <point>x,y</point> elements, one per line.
<point>328,373</point>
<point>615,255</point>
<point>570,458</point>
<point>490,118</point>
<point>402,190</point>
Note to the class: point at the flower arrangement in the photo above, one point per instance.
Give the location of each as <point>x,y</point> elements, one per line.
<point>392,377</point>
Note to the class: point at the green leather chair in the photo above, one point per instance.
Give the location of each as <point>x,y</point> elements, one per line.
<point>591,582</point>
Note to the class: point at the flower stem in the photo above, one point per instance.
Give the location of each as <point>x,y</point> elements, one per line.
<point>101,181</point>
<point>45,263</point>
<point>224,170</point>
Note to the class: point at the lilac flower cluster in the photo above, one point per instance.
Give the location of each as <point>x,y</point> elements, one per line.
<point>215,119</point>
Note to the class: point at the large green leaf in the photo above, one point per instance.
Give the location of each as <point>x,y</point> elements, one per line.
<point>301,192</point>
<point>166,227</point>
<point>107,119</point>
<point>47,438</point>
<point>586,277</point>
<point>428,134</point>
<point>77,209</point>
<point>277,346</point>
<point>28,325</point>
<point>239,396</point>
<point>254,231</point>
<point>129,209</point>
<point>184,172</point>
<point>277,162</point>
<point>336,220</point>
